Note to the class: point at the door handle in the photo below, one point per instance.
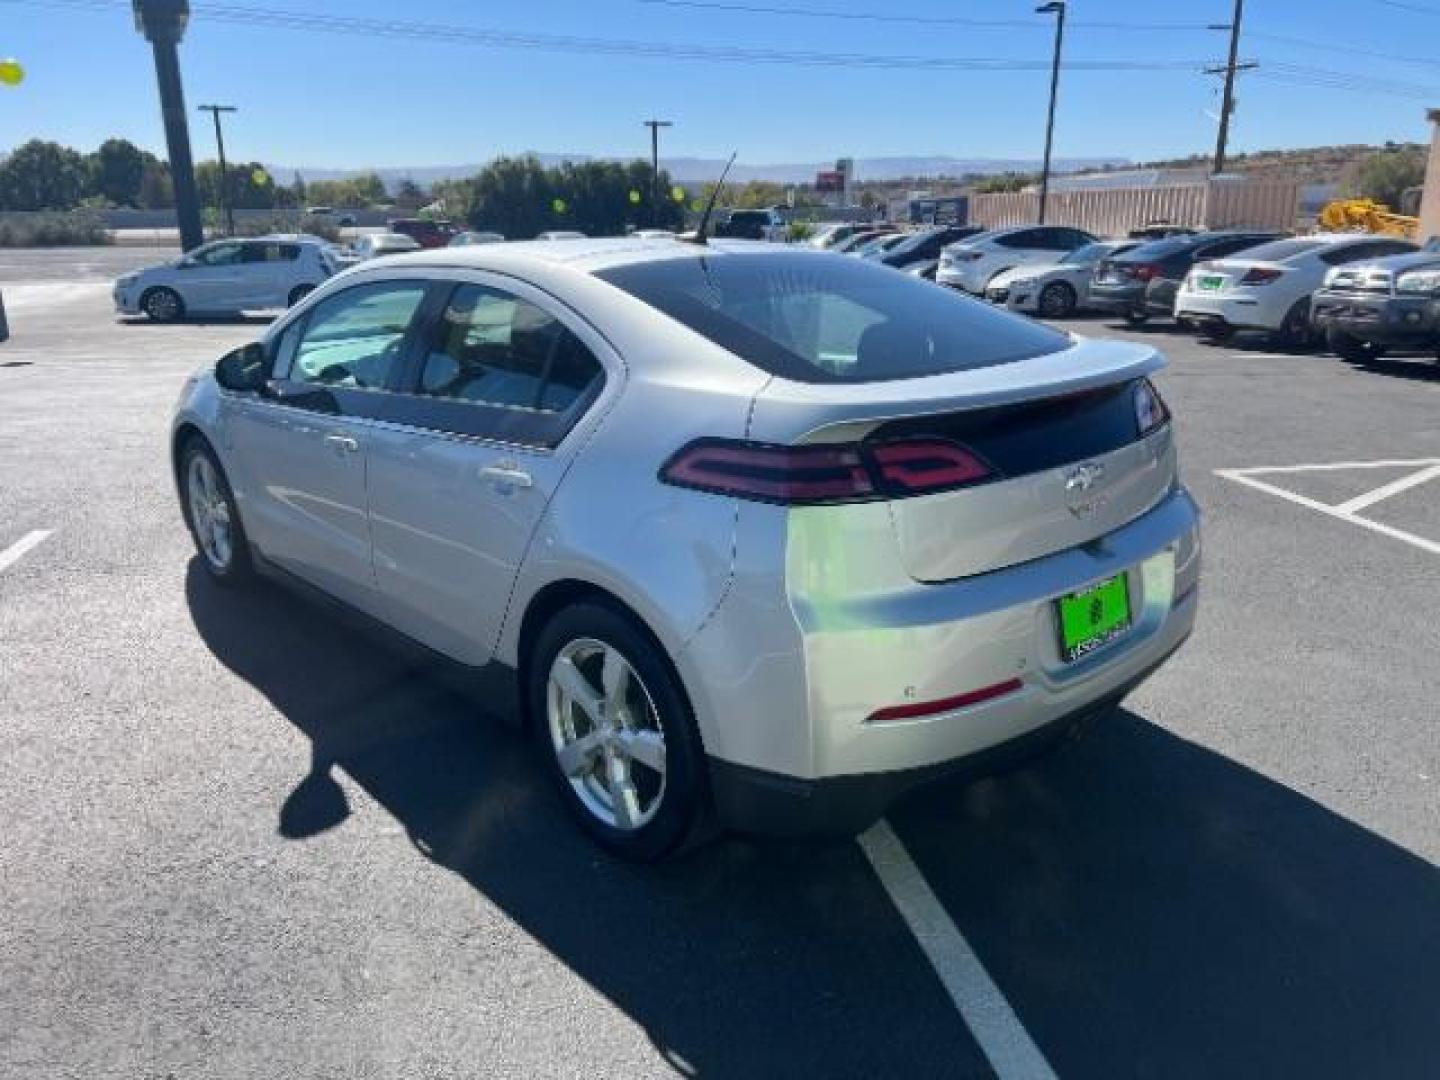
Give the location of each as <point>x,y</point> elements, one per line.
<point>507,474</point>
<point>342,442</point>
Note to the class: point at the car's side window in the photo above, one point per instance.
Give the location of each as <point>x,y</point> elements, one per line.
<point>497,349</point>
<point>220,255</point>
<point>496,366</point>
<point>354,338</point>
<point>1026,238</point>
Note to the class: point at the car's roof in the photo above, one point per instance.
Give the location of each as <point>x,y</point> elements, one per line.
<point>586,256</point>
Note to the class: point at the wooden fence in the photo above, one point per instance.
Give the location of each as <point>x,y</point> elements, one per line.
<point>1215,205</point>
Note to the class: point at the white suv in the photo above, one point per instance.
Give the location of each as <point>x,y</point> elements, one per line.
<point>972,263</point>
<point>227,277</point>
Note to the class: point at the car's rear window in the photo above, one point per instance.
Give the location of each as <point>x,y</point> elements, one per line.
<point>826,318</point>
<point>1280,250</point>
<point>1158,249</point>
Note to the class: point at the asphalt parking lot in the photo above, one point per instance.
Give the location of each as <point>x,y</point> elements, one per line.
<point>244,841</point>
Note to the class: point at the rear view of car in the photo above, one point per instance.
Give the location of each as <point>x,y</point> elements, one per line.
<point>1142,284</point>
<point>955,529</point>
<point>1268,287</point>
<point>426,232</point>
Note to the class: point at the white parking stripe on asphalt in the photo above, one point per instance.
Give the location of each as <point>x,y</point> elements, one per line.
<point>11,555</point>
<point>1405,483</point>
<point>1008,1046</point>
<point>1346,511</point>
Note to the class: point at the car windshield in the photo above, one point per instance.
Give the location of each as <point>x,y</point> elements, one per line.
<point>1280,250</point>
<point>911,242</point>
<point>822,319</point>
<point>1160,249</point>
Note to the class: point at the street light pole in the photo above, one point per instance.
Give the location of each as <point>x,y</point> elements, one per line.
<point>1056,8</point>
<point>655,126</point>
<point>163,24</point>
<point>224,189</point>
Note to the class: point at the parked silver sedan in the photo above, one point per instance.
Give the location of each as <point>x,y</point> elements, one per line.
<point>741,533</point>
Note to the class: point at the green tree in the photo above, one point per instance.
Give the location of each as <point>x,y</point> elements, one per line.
<point>157,192</point>
<point>42,176</point>
<point>116,171</point>
<point>1385,174</point>
<point>410,195</point>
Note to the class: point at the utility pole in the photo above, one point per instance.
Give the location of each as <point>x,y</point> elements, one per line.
<point>1229,70</point>
<point>162,22</point>
<point>224,192</point>
<point>1056,8</point>
<point>655,126</point>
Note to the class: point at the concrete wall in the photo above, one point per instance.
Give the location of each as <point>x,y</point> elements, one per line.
<point>1216,205</point>
<point>1430,201</point>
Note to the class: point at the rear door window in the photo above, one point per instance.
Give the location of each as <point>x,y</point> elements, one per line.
<point>494,365</point>
<point>819,318</point>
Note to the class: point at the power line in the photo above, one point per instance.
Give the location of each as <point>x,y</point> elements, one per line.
<point>275,18</point>
<point>1405,5</point>
<point>1348,50</point>
<point>889,17</point>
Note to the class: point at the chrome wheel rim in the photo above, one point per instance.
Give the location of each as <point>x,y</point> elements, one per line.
<point>209,513</point>
<point>163,304</point>
<point>606,734</point>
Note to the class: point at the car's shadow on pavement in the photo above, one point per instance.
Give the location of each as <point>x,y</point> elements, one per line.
<point>1150,908</point>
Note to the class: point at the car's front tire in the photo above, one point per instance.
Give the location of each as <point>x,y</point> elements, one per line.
<point>1136,317</point>
<point>162,305</point>
<point>212,516</point>
<point>1351,348</point>
<point>615,731</point>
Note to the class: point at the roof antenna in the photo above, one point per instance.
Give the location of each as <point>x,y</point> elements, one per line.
<point>699,237</point>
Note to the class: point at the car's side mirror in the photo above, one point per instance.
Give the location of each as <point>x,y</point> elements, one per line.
<point>243,369</point>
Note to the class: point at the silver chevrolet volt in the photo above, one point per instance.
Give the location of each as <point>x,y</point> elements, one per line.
<point>741,534</point>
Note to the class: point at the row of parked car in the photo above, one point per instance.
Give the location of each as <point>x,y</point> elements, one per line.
<point>1359,293</point>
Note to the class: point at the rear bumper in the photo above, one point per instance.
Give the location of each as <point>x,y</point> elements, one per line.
<point>1117,299</point>
<point>764,803</point>
<point>791,690</point>
<point>1241,313</point>
<point>965,276</point>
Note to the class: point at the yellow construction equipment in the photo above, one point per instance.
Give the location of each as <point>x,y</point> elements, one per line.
<point>1367,215</point>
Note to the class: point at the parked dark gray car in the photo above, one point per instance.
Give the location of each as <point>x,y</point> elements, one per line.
<point>1367,309</point>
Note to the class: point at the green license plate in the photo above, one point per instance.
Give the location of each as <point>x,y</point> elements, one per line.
<point>1211,283</point>
<point>1093,617</point>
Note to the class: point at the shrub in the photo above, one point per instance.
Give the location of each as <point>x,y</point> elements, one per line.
<point>798,231</point>
<point>52,229</point>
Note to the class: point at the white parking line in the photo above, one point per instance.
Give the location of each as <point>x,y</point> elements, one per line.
<point>11,555</point>
<point>1428,469</point>
<point>1008,1046</point>
<point>1405,483</point>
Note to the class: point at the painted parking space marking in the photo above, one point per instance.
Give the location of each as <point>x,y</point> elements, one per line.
<point>16,551</point>
<point>1425,471</point>
<point>993,1023</point>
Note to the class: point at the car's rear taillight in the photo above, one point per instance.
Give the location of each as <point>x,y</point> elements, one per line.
<point>1150,410</point>
<point>816,475</point>
<point>1261,275</point>
<point>1144,271</point>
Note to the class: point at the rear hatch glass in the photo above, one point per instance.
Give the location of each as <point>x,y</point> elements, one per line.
<point>818,318</point>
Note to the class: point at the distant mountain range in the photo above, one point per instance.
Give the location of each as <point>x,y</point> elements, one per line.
<point>689,170</point>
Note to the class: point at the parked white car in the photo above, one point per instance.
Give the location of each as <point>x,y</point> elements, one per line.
<point>227,277</point>
<point>372,245</point>
<point>973,263</point>
<point>1054,292</point>
<point>1269,287</point>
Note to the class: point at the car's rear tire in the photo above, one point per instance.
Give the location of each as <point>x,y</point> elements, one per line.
<point>1056,300</point>
<point>615,731</point>
<point>1349,347</point>
<point>211,515</point>
<point>162,305</point>
<point>298,293</point>
<point>1137,318</point>
<point>1295,331</point>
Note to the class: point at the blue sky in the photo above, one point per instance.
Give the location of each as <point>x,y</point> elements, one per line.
<point>333,99</point>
